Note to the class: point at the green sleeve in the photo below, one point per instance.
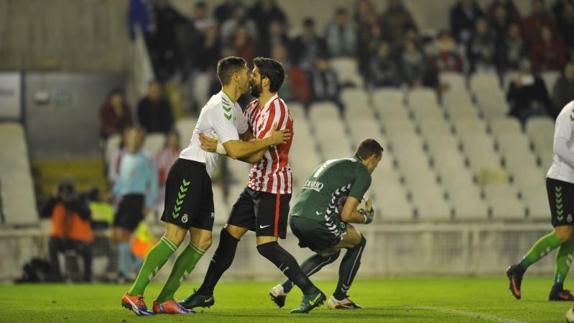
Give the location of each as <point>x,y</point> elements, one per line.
<point>361,183</point>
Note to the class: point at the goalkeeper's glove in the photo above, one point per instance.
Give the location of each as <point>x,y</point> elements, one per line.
<point>368,212</point>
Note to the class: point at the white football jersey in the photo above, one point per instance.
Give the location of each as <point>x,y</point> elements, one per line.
<point>220,118</point>
<point>564,129</point>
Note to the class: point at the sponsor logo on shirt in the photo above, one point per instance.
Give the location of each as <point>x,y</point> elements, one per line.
<point>313,185</point>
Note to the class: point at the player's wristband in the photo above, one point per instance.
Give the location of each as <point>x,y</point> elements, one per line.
<point>220,149</point>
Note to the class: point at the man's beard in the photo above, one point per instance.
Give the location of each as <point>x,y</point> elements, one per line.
<point>255,90</point>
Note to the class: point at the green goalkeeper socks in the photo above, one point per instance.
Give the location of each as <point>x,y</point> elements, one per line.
<point>155,259</point>
<point>540,249</point>
<point>564,259</point>
<point>184,265</point>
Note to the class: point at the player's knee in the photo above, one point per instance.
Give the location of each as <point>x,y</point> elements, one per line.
<point>204,243</point>
<point>564,233</point>
<point>267,249</point>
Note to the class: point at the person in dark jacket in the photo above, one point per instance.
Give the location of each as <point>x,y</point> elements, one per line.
<point>154,110</point>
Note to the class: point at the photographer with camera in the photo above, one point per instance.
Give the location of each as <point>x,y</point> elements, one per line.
<point>71,228</point>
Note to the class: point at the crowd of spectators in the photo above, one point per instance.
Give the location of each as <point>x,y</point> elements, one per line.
<point>388,45</point>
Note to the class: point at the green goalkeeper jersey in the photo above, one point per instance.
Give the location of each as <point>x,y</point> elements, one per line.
<point>330,182</point>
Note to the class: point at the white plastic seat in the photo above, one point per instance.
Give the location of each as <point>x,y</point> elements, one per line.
<point>185,129</point>
<point>502,197</point>
<point>357,103</point>
<point>347,70</point>
<point>318,112</point>
<point>384,99</point>
<point>154,143</point>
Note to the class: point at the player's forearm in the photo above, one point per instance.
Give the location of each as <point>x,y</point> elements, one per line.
<point>238,149</point>
<point>254,158</point>
<point>354,217</point>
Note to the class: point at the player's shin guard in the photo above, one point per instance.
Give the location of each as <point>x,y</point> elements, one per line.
<point>287,264</point>
<point>184,265</point>
<point>155,259</point>
<point>310,266</point>
<point>349,268</point>
<point>540,249</point>
<point>564,258</point>
<point>221,261</point>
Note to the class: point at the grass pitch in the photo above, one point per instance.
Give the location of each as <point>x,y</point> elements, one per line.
<point>387,300</point>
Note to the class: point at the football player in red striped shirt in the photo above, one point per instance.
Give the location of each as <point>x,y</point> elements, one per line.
<point>263,206</point>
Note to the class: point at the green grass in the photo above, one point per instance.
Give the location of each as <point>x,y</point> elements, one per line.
<point>388,300</point>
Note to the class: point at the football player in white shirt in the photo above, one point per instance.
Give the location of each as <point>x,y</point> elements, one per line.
<point>189,197</point>
<point>560,188</point>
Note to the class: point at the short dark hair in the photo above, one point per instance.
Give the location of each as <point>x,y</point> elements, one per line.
<point>368,148</point>
<point>227,66</point>
<point>271,69</point>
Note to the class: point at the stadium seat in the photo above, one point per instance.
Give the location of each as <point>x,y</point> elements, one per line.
<point>364,128</point>
<point>421,98</point>
<point>153,144</point>
<point>18,199</point>
<point>318,112</point>
<point>357,103</point>
<point>347,71</point>
<point>455,81</point>
<point>503,199</point>
<point>221,207</point>
<point>388,98</point>
<point>541,133</point>
<point>434,127</point>
<point>331,136</point>
<point>185,129</point>
<point>550,78</point>
<point>390,196</point>
<point>489,96</point>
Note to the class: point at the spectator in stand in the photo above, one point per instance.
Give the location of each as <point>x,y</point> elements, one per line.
<point>324,83</point>
<point>481,48</point>
<point>383,69</point>
<point>229,27</point>
<point>225,10</point>
<point>296,86</point>
<point>566,25</point>
<point>527,96</point>
<point>548,52</point>
<point>511,12</point>
<point>115,114</point>
<point>446,56</point>
<point>243,44</point>
<point>395,20</point>
<point>307,46</point>
<point>369,37</point>
<point>415,68</point>
<point>499,19</point>
<point>136,190</point>
<point>277,36</point>
<point>463,17</point>
<point>209,49</point>
<point>558,6</point>
<point>164,159</point>
<point>563,91</point>
<point>201,18</point>
<point>511,50</point>
<point>363,11</point>
<point>341,35</point>
<point>164,47</point>
<point>71,228</point>
<point>263,13</point>
<point>539,17</point>
<point>154,110</point>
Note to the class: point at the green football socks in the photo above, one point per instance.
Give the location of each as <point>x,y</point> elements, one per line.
<point>155,259</point>
<point>184,265</point>
<point>540,249</point>
<point>564,259</point>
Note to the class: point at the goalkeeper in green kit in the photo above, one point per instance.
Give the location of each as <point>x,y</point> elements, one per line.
<point>322,218</point>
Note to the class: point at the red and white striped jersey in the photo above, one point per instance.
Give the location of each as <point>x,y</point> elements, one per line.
<point>272,174</point>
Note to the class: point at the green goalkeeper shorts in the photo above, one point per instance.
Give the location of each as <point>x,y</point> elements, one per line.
<point>316,235</point>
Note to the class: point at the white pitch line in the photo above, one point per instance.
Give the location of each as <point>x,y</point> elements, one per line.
<point>467,314</point>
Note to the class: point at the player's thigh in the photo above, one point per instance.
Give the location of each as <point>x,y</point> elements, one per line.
<point>561,201</point>
<point>201,238</point>
<point>242,217</point>
<point>271,216</point>
<point>351,238</point>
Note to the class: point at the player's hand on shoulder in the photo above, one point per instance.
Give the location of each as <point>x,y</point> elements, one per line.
<point>208,144</point>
